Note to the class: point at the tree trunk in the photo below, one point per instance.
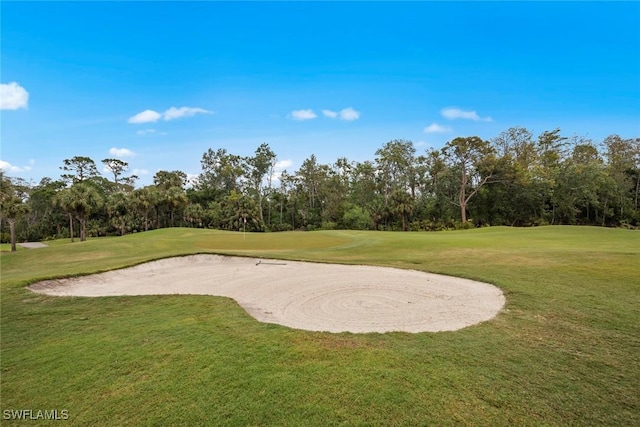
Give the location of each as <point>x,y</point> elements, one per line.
<point>462,196</point>
<point>637,189</point>
<point>12,230</point>
<point>260,205</point>
<point>71,226</point>
<point>83,229</point>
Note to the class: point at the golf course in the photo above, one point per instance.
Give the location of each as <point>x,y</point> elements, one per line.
<point>563,350</point>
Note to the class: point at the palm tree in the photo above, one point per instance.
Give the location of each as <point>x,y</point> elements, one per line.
<point>12,208</point>
<point>12,205</point>
<point>145,199</point>
<point>118,207</point>
<point>194,214</point>
<point>403,206</point>
<point>79,200</point>
<point>64,201</point>
<point>174,197</point>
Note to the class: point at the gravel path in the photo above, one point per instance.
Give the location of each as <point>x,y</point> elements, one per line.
<point>302,295</point>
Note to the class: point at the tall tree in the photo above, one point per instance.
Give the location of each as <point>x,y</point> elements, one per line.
<point>221,171</point>
<point>517,144</point>
<point>551,150</point>
<point>620,155</point>
<point>260,166</point>
<point>473,158</point>
<point>395,161</point>
<point>164,180</point>
<point>118,168</point>
<point>78,168</point>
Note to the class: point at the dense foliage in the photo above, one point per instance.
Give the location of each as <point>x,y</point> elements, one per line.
<point>513,179</point>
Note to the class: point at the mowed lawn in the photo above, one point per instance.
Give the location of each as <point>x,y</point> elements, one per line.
<point>564,351</point>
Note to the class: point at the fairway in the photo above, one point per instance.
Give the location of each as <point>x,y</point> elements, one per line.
<point>562,351</point>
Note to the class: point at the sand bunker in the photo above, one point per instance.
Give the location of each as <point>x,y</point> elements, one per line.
<point>302,295</point>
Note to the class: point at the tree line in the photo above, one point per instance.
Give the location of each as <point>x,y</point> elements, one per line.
<point>513,179</point>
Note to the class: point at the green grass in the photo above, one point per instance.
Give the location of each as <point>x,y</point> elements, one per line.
<point>6,247</point>
<point>564,351</point>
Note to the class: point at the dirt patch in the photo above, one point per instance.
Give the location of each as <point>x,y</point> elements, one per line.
<point>302,295</point>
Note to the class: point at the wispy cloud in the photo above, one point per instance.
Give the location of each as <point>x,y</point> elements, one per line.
<point>8,167</point>
<point>140,172</point>
<point>151,116</point>
<point>330,114</point>
<point>436,128</point>
<point>145,132</point>
<point>13,96</point>
<point>349,114</point>
<point>303,115</point>
<point>453,113</point>
<point>147,116</point>
<point>121,152</point>
<point>176,113</point>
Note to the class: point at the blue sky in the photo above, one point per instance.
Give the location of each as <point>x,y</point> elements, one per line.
<point>158,83</point>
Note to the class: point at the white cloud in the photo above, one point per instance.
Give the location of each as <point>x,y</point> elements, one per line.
<point>283,164</point>
<point>349,114</point>
<point>436,128</point>
<point>145,132</point>
<point>121,152</point>
<point>278,168</point>
<point>13,96</point>
<point>151,116</point>
<point>176,113</point>
<point>456,113</point>
<point>8,167</point>
<point>192,179</point>
<point>147,116</point>
<point>329,113</point>
<point>303,115</point>
<point>140,172</point>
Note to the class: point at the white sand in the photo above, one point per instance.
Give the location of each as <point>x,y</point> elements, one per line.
<point>302,295</point>
<point>33,245</point>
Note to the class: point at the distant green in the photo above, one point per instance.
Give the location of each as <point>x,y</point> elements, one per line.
<point>564,351</point>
